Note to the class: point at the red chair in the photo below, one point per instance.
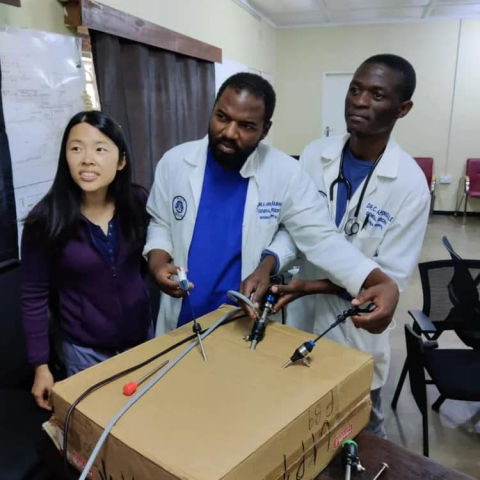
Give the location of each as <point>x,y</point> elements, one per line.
<point>426,164</point>
<point>469,185</point>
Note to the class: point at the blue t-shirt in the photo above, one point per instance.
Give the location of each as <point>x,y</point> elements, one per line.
<point>355,171</point>
<point>215,255</point>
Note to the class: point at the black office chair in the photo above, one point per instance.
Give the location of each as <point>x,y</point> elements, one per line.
<point>440,306</point>
<point>455,373</point>
<point>20,417</point>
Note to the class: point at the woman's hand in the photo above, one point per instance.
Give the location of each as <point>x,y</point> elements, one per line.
<point>42,386</point>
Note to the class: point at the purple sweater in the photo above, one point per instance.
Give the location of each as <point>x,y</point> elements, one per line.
<point>100,306</point>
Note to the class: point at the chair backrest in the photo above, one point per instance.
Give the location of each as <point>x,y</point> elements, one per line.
<point>15,371</point>
<point>462,289</point>
<point>436,277</point>
<point>473,171</point>
<point>463,293</point>
<point>415,365</point>
<point>426,164</point>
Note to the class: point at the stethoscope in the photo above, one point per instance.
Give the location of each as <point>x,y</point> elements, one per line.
<point>352,227</point>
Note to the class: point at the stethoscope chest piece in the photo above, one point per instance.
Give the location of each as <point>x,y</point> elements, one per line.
<point>352,227</point>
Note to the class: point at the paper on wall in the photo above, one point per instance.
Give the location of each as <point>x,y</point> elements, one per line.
<point>42,86</point>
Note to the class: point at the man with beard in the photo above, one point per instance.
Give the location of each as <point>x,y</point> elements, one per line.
<point>217,203</point>
<point>378,198</point>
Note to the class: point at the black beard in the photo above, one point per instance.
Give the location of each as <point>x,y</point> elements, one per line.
<point>229,161</point>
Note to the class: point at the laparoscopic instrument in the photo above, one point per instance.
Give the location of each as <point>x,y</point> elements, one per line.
<point>302,352</point>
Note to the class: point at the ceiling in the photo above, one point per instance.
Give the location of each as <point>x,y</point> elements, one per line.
<point>306,13</point>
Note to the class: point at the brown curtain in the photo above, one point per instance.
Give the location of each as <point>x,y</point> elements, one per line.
<point>160,98</point>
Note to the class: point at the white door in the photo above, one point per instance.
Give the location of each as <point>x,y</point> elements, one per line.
<point>335,87</point>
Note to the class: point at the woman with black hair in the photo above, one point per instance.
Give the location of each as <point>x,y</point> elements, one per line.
<point>84,241</point>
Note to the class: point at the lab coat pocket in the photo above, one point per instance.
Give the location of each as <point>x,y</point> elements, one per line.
<point>368,240</point>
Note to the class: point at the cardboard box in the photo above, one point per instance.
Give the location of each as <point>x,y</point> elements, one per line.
<point>239,416</point>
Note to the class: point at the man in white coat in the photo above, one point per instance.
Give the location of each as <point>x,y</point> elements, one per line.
<point>217,203</point>
<point>379,200</point>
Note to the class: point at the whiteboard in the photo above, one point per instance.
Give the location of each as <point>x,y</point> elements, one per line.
<point>42,86</point>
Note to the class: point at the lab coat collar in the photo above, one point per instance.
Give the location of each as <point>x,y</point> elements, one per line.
<point>388,166</point>
<point>197,156</point>
<point>334,151</point>
<point>250,167</point>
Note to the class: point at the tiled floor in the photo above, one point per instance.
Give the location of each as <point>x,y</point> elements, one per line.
<point>455,431</point>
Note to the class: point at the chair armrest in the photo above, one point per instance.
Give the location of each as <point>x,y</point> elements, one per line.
<point>467,184</point>
<point>430,345</point>
<point>433,184</point>
<point>425,324</point>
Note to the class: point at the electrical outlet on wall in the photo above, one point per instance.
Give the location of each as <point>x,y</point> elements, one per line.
<point>445,179</point>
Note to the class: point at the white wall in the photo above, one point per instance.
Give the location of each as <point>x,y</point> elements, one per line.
<point>299,57</point>
<point>465,137</point>
<point>303,55</point>
<point>222,23</point>
<point>46,15</point>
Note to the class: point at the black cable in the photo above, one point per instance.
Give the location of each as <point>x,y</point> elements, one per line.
<point>116,376</point>
<point>343,316</point>
<point>341,319</point>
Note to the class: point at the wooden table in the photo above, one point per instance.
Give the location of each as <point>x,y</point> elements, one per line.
<point>404,464</point>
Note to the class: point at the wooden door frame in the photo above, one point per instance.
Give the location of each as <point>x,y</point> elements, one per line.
<point>13,3</point>
<point>96,16</point>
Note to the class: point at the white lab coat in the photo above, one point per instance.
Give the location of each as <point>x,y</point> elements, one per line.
<point>279,194</point>
<point>398,198</point>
